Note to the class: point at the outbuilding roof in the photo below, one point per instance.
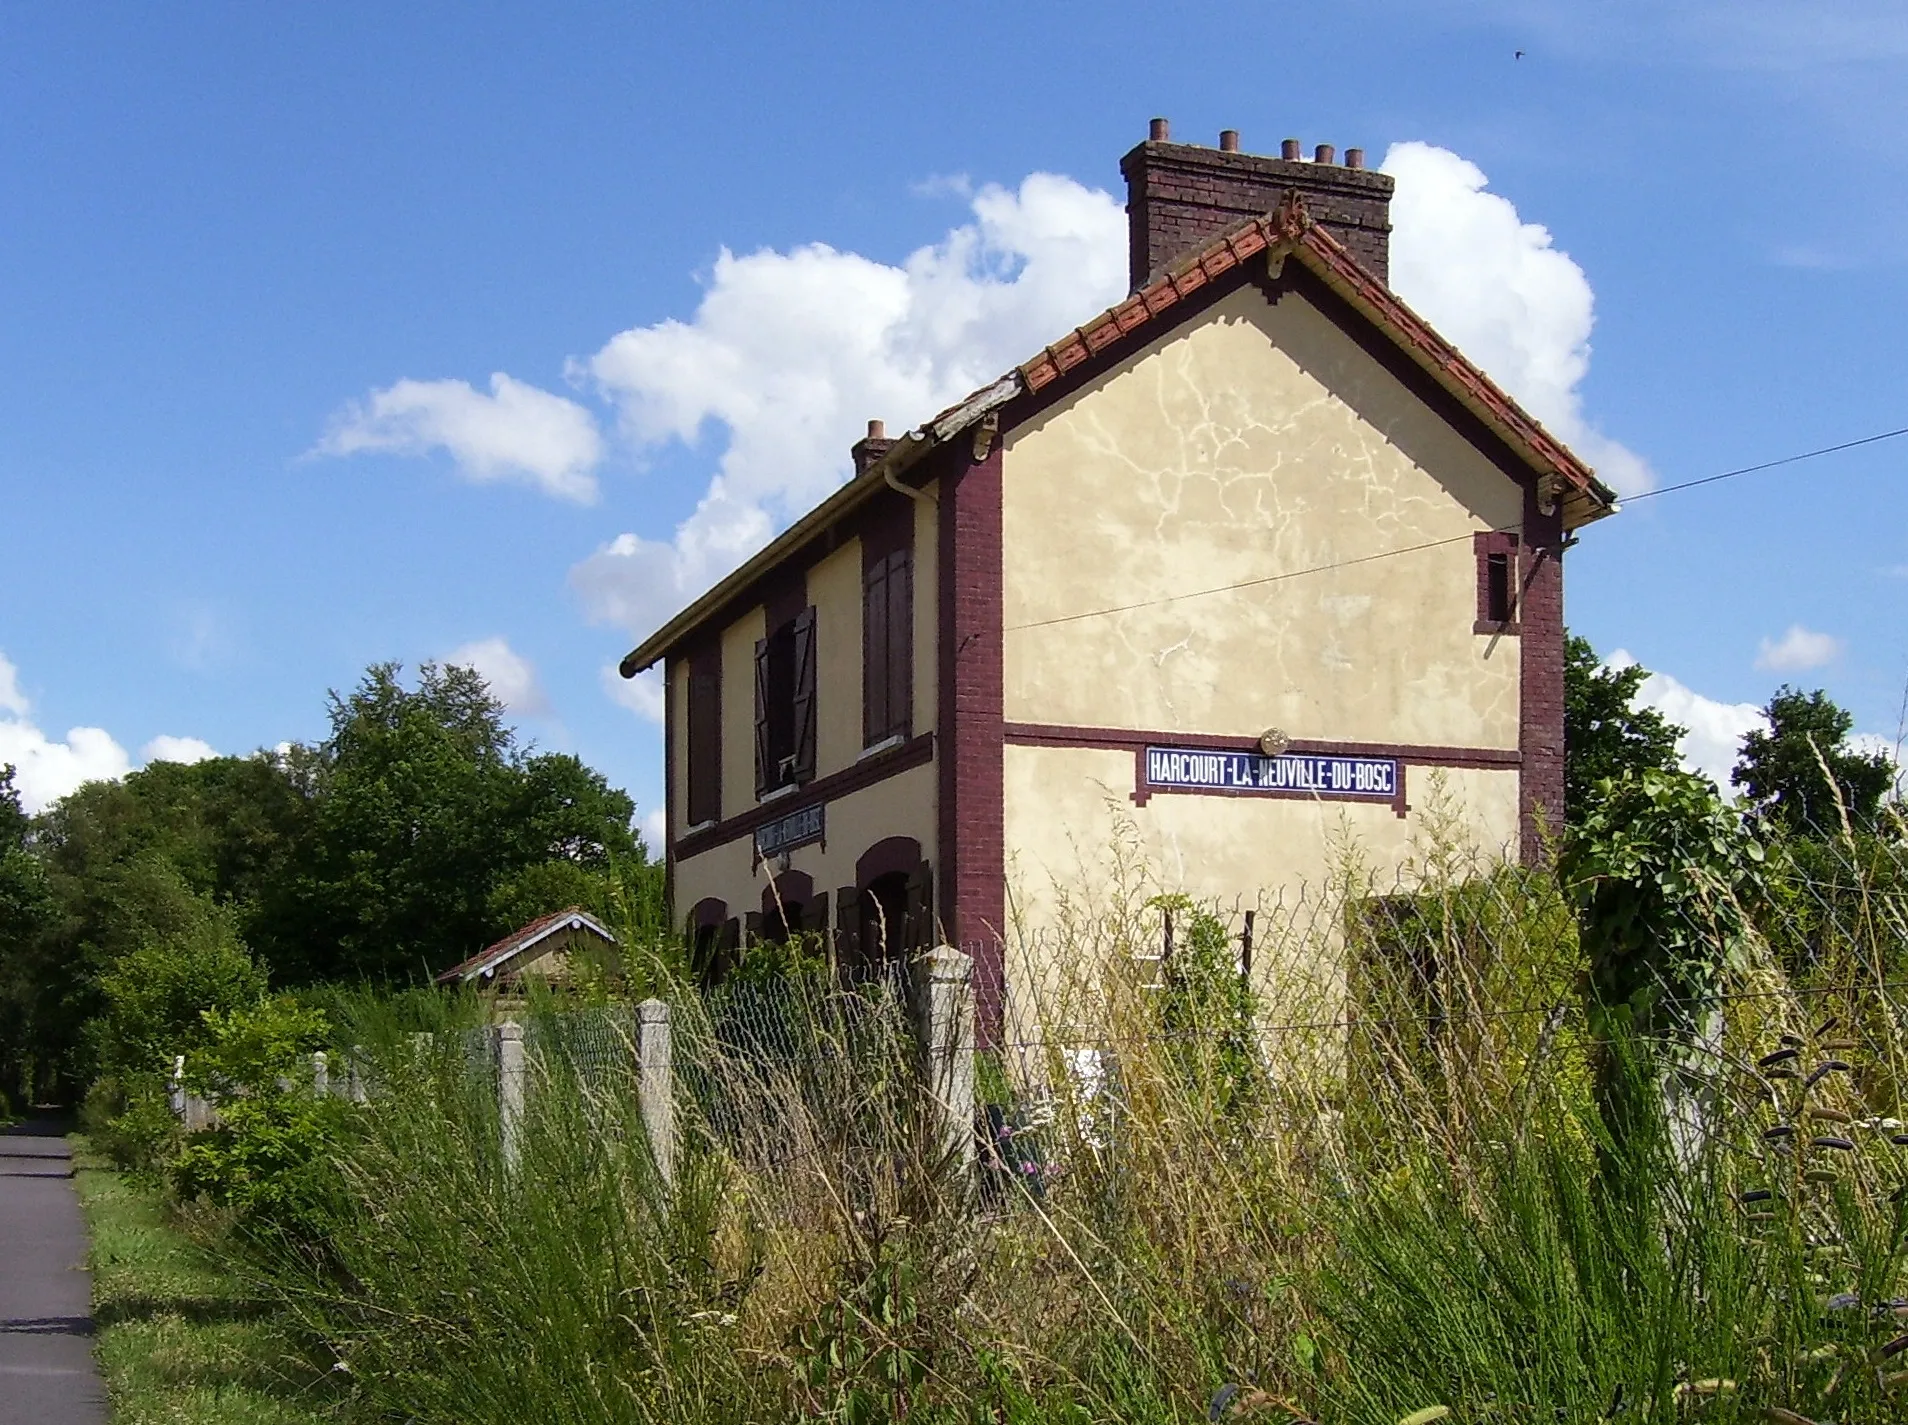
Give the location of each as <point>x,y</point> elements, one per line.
<point>486,962</point>
<point>1289,233</point>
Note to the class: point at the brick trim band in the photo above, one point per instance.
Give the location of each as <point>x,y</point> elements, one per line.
<point>1406,755</point>
<point>915,752</point>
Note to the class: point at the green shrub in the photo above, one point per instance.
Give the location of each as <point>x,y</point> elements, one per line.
<point>158,994</point>
<point>268,1156</point>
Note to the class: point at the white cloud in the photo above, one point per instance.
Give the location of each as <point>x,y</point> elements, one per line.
<point>642,695</point>
<point>12,700</point>
<point>46,770</point>
<point>512,680</point>
<point>655,830</point>
<point>1715,729</point>
<point>1798,650</point>
<point>791,352</point>
<point>1494,285</point>
<point>517,432</point>
<point>166,748</point>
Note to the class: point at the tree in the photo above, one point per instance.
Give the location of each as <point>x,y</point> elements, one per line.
<point>1794,774</point>
<point>1605,734</point>
<point>129,862</point>
<point>1665,878</point>
<point>424,806</point>
<point>25,908</point>
<point>156,995</point>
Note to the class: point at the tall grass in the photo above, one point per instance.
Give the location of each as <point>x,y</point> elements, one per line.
<point>1372,1181</point>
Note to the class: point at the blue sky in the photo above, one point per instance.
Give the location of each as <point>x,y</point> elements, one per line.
<point>261,266</point>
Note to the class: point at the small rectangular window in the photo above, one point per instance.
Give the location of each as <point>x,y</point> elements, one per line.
<point>1496,582</point>
<point>703,725</point>
<point>1497,587</point>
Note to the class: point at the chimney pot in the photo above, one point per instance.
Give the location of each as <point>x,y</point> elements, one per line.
<point>1179,196</point>
<point>1354,158</point>
<point>1323,153</point>
<point>1161,131</point>
<point>877,430</point>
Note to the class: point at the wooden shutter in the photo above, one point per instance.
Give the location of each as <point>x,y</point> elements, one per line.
<point>764,772</point>
<point>900,659</point>
<point>918,928</point>
<point>752,926</point>
<point>874,653</point>
<point>704,726</point>
<point>815,915</point>
<point>804,720</point>
<point>848,927</point>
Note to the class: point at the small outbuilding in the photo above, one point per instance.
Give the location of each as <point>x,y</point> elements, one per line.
<point>550,948</point>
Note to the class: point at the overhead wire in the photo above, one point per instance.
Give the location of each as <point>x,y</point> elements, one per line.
<point>1439,543</point>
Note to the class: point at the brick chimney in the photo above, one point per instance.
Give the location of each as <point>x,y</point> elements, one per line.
<point>1180,195</point>
<point>876,444</point>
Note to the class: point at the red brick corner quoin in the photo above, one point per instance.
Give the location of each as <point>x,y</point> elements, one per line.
<point>972,692</point>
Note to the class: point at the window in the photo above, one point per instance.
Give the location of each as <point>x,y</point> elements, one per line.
<point>703,725</point>
<point>1496,582</point>
<point>1497,589</point>
<point>785,704</point>
<point>887,645</point>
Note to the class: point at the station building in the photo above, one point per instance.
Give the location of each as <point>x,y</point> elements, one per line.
<point>1243,562</point>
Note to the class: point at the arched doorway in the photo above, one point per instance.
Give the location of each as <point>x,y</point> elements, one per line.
<point>888,914</point>
<point>786,903</point>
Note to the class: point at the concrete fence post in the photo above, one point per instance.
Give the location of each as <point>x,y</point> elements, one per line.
<point>656,1086</point>
<point>354,1087</point>
<point>510,1077</point>
<point>320,1074</point>
<point>175,1088</point>
<point>949,1045</point>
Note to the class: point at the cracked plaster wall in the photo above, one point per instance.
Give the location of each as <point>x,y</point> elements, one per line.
<point>1258,440</point>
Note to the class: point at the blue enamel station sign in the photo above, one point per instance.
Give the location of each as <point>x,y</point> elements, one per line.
<point>1189,769</point>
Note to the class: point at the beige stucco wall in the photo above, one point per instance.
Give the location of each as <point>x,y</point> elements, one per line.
<point>1258,441</point>
<point>834,589</point>
<point>902,805</point>
<point>1070,812</point>
<point>738,712</point>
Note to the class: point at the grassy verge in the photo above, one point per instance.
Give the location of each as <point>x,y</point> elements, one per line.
<point>181,1335</point>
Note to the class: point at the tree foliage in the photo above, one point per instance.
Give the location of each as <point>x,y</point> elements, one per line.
<point>1663,874</point>
<point>1605,734</point>
<point>1801,774</point>
<point>423,807</point>
<point>26,906</point>
<point>1666,879</point>
<point>158,994</point>
<point>416,832</point>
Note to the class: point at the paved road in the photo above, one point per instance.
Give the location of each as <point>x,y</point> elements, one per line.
<point>47,1375</point>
